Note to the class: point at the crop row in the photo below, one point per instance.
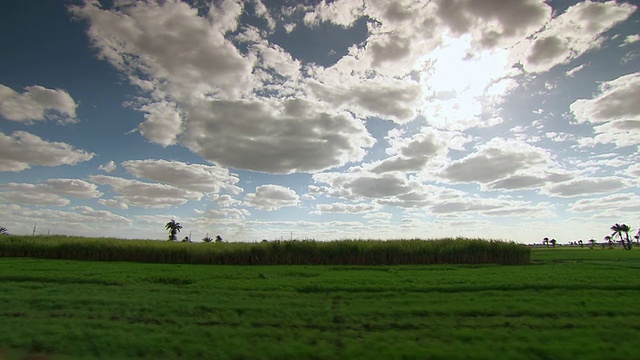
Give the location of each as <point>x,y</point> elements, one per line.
<point>343,252</point>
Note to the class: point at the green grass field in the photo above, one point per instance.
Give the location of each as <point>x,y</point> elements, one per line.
<point>567,304</point>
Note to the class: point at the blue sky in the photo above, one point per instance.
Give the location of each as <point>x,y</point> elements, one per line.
<point>320,120</point>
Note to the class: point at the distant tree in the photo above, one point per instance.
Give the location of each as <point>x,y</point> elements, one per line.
<point>553,243</point>
<point>637,237</point>
<point>186,239</point>
<point>618,230</point>
<point>174,228</point>
<point>625,229</point>
<point>581,243</point>
<point>207,239</point>
<point>218,238</point>
<point>607,239</point>
<point>4,231</point>
<point>592,243</point>
<point>545,241</point>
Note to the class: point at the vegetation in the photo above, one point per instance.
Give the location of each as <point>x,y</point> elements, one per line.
<point>559,307</point>
<point>4,230</point>
<point>174,228</point>
<point>347,252</point>
<point>618,230</point>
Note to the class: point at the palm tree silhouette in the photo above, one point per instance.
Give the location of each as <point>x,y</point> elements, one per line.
<point>618,230</point>
<point>592,243</point>
<point>545,241</point>
<point>4,231</point>
<point>608,240</point>
<point>174,228</point>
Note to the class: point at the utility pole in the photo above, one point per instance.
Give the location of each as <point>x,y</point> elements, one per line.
<point>34,229</point>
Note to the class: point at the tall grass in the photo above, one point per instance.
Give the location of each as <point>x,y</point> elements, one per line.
<point>344,252</point>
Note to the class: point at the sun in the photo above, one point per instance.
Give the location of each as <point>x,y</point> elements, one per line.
<point>457,79</point>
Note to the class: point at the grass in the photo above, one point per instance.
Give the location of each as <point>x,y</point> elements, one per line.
<point>568,304</point>
<point>347,252</point>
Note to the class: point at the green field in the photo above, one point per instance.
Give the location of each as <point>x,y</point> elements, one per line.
<point>567,304</point>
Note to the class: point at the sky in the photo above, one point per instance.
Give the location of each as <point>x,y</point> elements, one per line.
<point>326,120</point>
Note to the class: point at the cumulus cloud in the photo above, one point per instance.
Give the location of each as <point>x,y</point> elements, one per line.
<point>194,177</point>
<point>630,39</point>
<point>384,98</point>
<point>615,111</point>
<point>573,33</point>
<point>81,220</point>
<point>586,186</point>
<point>275,137</point>
<point>272,197</point>
<point>412,154</point>
<point>30,194</point>
<point>616,203</point>
<point>344,208</point>
<point>495,160</point>
<point>146,195</point>
<point>37,103</point>
<point>21,150</point>
<point>147,37</point>
<point>108,167</point>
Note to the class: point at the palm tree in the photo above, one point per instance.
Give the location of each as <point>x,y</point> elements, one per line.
<point>207,239</point>
<point>625,229</point>
<point>553,243</point>
<point>617,230</point>
<point>174,228</point>
<point>592,243</point>
<point>218,238</point>
<point>581,243</point>
<point>4,231</point>
<point>637,237</point>
<point>545,241</point>
<point>608,240</point>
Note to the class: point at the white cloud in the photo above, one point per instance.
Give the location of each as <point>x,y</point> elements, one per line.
<point>109,167</point>
<point>498,159</point>
<point>81,220</point>
<point>117,203</point>
<point>272,197</point>
<point>573,71</point>
<point>195,177</point>
<point>147,38</point>
<point>344,208</point>
<point>162,123</point>
<point>573,33</point>
<point>616,203</point>
<point>630,39</point>
<point>384,98</point>
<point>586,186</point>
<point>30,194</point>
<point>21,150</point>
<point>616,108</point>
<point>147,195</point>
<point>37,103</point>
<point>275,137</point>
<point>413,154</point>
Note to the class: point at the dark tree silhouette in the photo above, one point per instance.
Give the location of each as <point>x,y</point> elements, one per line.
<point>207,239</point>
<point>4,231</point>
<point>553,243</point>
<point>581,243</point>
<point>592,243</point>
<point>608,240</point>
<point>545,241</point>
<point>618,230</point>
<point>173,227</point>
<point>218,238</point>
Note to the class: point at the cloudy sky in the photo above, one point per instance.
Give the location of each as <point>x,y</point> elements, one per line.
<point>341,119</point>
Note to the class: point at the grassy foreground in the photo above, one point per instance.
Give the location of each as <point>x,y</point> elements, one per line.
<point>345,252</point>
<point>569,304</point>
